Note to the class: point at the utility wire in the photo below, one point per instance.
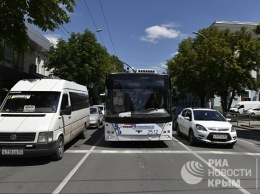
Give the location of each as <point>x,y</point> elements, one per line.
<point>94,23</point>
<point>63,32</point>
<point>107,27</point>
<point>65,29</point>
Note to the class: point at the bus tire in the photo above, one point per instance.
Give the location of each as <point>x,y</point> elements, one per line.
<point>178,130</point>
<point>58,149</point>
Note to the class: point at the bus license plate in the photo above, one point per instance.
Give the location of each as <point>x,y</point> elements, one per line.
<point>12,152</point>
<point>220,136</point>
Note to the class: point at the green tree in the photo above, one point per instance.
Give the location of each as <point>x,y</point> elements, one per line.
<point>46,14</point>
<point>216,62</point>
<point>82,59</point>
<point>118,64</point>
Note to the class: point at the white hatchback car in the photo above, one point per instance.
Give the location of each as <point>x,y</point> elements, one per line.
<point>206,125</point>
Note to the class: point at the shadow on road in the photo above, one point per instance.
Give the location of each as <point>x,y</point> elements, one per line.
<point>96,135</point>
<point>184,139</point>
<point>26,161</point>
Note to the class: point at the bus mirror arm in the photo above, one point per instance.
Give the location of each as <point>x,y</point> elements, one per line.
<point>66,111</point>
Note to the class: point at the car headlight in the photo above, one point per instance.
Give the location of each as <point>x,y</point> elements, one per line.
<point>45,137</point>
<point>233,129</point>
<point>200,127</point>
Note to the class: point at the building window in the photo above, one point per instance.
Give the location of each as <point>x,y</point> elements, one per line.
<point>16,59</point>
<point>9,54</point>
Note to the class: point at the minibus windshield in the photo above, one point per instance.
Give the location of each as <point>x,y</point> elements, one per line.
<point>31,102</point>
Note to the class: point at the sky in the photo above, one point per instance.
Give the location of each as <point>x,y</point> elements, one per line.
<point>145,34</point>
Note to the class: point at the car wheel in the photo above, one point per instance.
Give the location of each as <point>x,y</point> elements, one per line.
<point>59,149</point>
<point>191,138</point>
<point>83,134</point>
<point>178,130</point>
<point>231,145</point>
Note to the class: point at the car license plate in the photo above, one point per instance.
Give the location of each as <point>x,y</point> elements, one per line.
<point>220,136</point>
<point>12,152</point>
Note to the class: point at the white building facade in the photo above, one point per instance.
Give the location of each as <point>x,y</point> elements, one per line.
<point>18,65</point>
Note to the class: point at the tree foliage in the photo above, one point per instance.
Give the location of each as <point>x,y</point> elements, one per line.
<point>82,59</point>
<point>47,15</point>
<point>216,62</point>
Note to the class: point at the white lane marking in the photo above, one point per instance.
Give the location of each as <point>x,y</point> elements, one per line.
<point>256,176</point>
<point>239,139</point>
<point>215,169</point>
<point>72,172</point>
<point>159,152</point>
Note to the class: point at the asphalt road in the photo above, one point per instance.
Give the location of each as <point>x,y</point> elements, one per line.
<point>95,166</point>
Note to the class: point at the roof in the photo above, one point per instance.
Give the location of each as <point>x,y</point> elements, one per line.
<point>233,25</point>
<point>47,85</point>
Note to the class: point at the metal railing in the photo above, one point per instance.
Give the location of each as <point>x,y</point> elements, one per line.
<point>244,119</point>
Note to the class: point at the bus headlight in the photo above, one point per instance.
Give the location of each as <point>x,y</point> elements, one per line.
<point>45,137</point>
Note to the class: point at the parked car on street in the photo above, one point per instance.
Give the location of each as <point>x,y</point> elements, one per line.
<point>206,125</point>
<point>175,112</point>
<point>96,117</point>
<point>252,111</point>
<point>244,105</point>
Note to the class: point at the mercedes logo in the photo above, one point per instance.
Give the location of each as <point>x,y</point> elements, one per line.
<point>13,137</point>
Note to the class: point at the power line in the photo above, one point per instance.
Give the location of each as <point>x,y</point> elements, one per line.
<point>65,29</point>
<point>97,30</point>
<point>107,27</point>
<point>63,33</point>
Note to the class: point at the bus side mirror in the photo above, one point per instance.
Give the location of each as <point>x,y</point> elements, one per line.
<point>67,110</point>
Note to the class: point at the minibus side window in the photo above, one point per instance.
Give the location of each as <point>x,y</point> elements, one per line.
<point>64,103</point>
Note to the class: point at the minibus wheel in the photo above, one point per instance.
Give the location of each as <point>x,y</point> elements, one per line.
<point>58,149</point>
<point>83,134</point>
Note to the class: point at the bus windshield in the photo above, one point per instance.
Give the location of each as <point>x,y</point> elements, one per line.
<point>31,102</point>
<point>138,96</point>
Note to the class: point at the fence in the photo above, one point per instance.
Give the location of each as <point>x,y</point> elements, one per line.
<point>244,120</point>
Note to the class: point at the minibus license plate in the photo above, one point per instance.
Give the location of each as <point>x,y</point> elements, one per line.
<point>12,152</point>
<point>220,136</point>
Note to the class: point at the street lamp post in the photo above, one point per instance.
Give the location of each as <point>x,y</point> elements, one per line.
<point>199,34</point>
<point>208,101</point>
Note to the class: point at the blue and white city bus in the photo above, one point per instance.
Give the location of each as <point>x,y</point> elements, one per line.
<point>138,106</point>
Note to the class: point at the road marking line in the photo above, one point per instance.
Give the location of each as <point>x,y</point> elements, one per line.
<point>246,141</point>
<point>73,171</point>
<point>256,176</point>
<point>215,169</point>
<point>158,152</point>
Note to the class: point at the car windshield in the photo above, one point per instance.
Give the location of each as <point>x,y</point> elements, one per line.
<point>101,107</point>
<point>93,111</point>
<point>208,115</point>
<point>33,102</point>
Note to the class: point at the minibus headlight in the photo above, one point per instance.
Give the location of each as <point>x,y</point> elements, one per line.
<point>45,137</point>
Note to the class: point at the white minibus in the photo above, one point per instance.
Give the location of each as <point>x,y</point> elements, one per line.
<point>39,116</point>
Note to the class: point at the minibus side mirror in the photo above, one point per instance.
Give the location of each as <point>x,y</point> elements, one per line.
<point>66,111</point>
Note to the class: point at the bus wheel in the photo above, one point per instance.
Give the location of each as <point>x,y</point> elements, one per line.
<point>59,149</point>
<point>83,134</point>
<point>178,130</point>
